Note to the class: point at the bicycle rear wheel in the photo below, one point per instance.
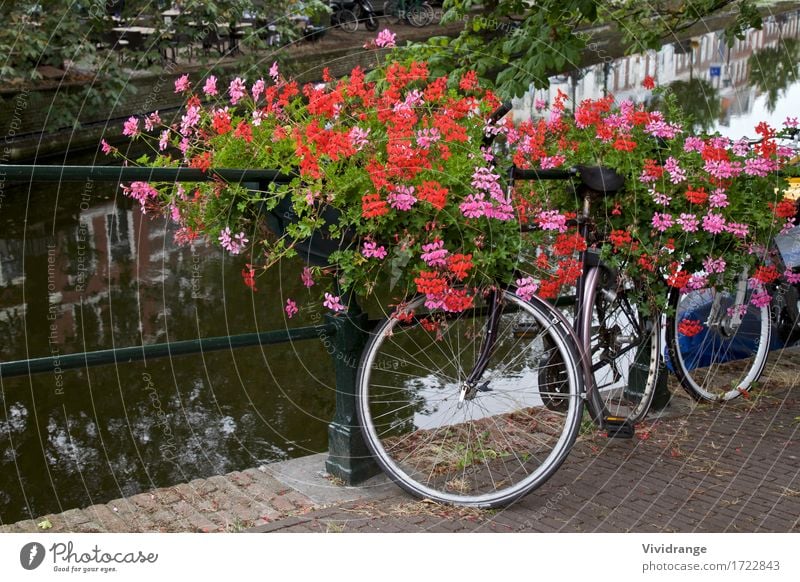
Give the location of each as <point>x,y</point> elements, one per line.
<point>624,346</point>
<point>714,357</point>
<point>484,447</point>
<point>347,20</point>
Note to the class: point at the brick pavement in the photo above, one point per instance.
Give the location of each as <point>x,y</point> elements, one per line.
<point>704,468</point>
<point>712,468</point>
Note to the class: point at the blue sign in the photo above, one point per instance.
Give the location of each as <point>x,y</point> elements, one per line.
<point>715,71</point>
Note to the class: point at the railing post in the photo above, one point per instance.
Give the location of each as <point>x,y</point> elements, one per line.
<point>348,457</point>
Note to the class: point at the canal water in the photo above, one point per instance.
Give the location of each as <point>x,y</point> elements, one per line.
<point>82,269</point>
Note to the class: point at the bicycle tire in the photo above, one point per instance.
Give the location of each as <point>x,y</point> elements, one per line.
<point>419,15</point>
<point>620,343</point>
<point>348,20</point>
<point>370,22</point>
<point>717,364</point>
<point>484,450</point>
<point>390,12</point>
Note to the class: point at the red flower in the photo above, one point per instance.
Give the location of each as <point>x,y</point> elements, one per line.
<point>201,161</point>
<point>646,263</point>
<point>469,81</point>
<point>766,274</point>
<point>623,144</point>
<point>678,279</point>
<point>457,300</point>
<point>221,122</point>
<point>649,83</point>
<point>434,193</point>
<point>698,196</point>
<point>249,276</point>
<point>459,265</point>
<point>372,205</point>
<point>244,131</point>
<point>620,238</point>
<point>430,283</point>
<point>568,244</point>
<point>785,208</point>
<point>690,327</point>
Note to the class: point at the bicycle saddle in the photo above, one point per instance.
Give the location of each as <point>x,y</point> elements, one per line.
<point>600,179</point>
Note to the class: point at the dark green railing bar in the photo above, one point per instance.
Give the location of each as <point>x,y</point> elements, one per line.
<point>42,173</point>
<point>180,348</point>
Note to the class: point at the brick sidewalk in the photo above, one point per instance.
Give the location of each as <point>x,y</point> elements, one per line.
<point>715,468</point>
<point>699,468</point>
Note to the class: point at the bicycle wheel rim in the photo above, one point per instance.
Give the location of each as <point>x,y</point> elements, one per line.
<point>348,21</point>
<point>491,449</point>
<point>622,348</point>
<point>713,365</point>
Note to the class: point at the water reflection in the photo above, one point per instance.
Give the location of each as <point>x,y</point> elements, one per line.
<point>726,89</point>
<point>82,269</point>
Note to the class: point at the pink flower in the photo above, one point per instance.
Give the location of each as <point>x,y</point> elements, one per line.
<point>258,89</point>
<point>232,244</point>
<point>334,303</point>
<point>714,265</point>
<point>434,254</point>
<point>791,278</point>
<point>723,169</point>
<point>550,162</point>
<point>386,39</point>
<point>539,104</point>
<point>402,198</point>
<point>526,288</point>
<point>663,129</point>
<point>371,249</point>
<point>474,206</point>
<point>163,140</point>
<point>141,192</point>
<point>107,149</point>
<point>697,282</point>
<point>151,121</point>
<point>428,136</point>
<point>688,222</point>
<point>742,147</point>
<point>291,308</point>
<point>758,167</point>
<point>237,90</point>
<point>552,220</point>
<point>273,71</point>
<point>718,199</point>
<point>737,229</point>
<point>182,84</point>
<point>307,277</point>
<point>676,173</point>
<point>661,221</point>
<point>713,223</point>
<point>790,122</point>
<point>359,138</point>
<point>210,87</point>
<point>131,127</point>
<point>760,299</point>
<point>660,199</point>
<point>693,144</point>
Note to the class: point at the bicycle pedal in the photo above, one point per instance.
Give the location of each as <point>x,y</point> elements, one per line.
<point>619,428</point>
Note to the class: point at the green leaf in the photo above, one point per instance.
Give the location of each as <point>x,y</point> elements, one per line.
<point>44,524</point>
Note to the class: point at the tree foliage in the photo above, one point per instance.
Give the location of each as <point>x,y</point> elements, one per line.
<point>519,42</point>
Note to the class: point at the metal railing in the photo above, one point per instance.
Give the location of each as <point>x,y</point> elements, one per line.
<point>348,457</point>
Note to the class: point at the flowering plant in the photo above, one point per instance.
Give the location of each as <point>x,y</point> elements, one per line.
<point>421,202</point>
<point>694,210</point>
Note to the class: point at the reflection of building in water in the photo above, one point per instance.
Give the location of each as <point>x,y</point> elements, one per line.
<point>113,255</point>
<point>706,57</point>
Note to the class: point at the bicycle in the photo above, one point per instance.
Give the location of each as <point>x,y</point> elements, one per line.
<point>348,15</point>
<point>416,12</point>
<point>481,407</point>
<point>726,358</point>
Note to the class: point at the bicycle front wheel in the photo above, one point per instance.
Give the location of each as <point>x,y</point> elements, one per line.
<point>716,355</point>
<point>482,447</point>
<point>623,343</point>
<point>348,21</point>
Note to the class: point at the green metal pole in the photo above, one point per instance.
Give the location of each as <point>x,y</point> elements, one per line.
<point>46,173</point>
<point>348,456</point>
<point>138,353</point>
